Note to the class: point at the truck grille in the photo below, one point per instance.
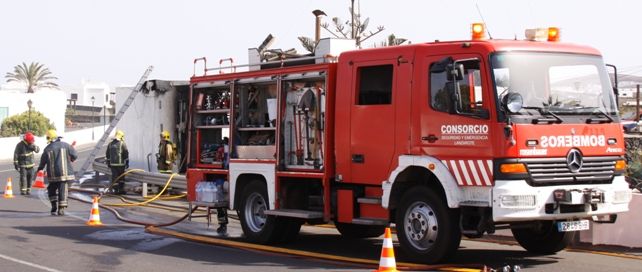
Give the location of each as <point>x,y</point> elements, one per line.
<point>556,171</point>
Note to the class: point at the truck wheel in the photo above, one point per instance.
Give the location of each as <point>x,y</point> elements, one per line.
<point>543,238</point>
<point>353,231</point>
<point>427,229</point>
<point>257,226</point>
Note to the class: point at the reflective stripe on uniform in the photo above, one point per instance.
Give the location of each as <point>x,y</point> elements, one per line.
<point>63,178</point>
<point>63,162</point>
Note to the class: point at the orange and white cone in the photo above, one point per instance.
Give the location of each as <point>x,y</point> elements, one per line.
<point>40,180</point>
<point>94,217</point>
<point>387,261</point>
<point>8,190</point>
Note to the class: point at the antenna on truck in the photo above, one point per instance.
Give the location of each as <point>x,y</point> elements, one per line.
<point>483,21</point>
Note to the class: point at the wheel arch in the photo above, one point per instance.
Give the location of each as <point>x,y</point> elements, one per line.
<point>242,174</point>
<point>242,181</point>
<point>420,170</point>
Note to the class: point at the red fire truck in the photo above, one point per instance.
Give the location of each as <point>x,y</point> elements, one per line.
<point>439,139</point>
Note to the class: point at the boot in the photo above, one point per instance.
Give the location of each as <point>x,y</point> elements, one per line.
<point>54,207</point>
<point>28,191</point>
<point>61,211</point>
<point>222,229</point>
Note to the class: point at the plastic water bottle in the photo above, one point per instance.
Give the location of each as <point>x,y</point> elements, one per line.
<point>215,193</point>
<point>199,191</point>
<point>208,192</point>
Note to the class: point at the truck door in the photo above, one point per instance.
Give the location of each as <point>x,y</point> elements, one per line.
<point>372,119</point>
<point>454,116</point>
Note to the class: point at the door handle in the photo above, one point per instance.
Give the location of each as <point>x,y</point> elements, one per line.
<point>430,138</point>
<point>358,158</point>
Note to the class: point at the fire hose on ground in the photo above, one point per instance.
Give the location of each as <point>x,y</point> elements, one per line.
<point>118,215</point>
<point>156,228</point>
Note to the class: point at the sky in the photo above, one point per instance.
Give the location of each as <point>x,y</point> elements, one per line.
<point>115,41</point>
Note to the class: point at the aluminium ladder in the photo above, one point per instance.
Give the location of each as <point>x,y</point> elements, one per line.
<point>114,122</point>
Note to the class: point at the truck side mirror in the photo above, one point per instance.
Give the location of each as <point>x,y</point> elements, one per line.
<point>441,65</point>
<point>455,72</point>
<point>513,102</point>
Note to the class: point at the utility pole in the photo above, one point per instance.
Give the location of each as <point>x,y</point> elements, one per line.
<point>637,104</point>
<point>352,14</point>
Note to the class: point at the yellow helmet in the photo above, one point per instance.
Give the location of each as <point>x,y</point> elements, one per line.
<point>119,135</point>
<point>165,135</point>
<point>51,135</point>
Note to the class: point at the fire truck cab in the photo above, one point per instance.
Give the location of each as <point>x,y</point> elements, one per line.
<point>440,139</point>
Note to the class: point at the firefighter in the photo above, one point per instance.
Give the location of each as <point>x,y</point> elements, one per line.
<point>117,158</point>
<point>166,153</point>
<point>23,161</point>
<point>221,216</point>
<point>57,158</point>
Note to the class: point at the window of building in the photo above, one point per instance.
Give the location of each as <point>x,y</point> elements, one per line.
<point>375,85</point>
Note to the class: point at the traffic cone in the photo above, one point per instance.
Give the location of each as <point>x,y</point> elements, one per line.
<point>40,180</point>
<point>387,261</point>
<point>94,217</point>
<point>8,190</point>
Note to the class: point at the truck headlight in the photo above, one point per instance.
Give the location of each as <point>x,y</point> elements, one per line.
<point>518,201</point>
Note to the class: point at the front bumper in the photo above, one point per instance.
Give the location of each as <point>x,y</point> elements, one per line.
<point>516,200</point>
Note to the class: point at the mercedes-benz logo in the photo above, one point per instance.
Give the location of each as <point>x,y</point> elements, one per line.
<point>574,160</point>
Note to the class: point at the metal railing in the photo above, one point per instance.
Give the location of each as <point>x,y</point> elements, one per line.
<point>281,62</point>
<point>178,182</point>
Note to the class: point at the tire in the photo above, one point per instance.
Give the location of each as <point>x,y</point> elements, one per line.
<point>427,229</point>
<point>543,238</point>
<point>353,231</point>
<point>257,226</point>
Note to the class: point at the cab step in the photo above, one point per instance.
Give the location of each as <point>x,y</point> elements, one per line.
<point>369,200</point>
<point>303,214</point>
<point>370,221</point>
<point>474,204</point>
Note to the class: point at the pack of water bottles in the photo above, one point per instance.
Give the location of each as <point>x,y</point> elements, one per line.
<point>210,191</point>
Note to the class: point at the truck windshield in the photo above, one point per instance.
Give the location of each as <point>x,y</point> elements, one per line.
<point>557,83</point>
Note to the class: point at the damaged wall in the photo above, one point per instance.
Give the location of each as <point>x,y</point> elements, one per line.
<point>150,113</point>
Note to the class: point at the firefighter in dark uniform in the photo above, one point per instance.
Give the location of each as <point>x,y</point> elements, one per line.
<point>57,158</point>
<point>117,157</point>
<point>166,154</point>
<point>23,162</point>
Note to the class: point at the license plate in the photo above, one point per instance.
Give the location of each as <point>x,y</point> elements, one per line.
<point>573,225</point>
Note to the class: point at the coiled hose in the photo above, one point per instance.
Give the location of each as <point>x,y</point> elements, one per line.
<point>118,215</point>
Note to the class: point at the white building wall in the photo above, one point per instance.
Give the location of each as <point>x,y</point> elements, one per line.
<point>51,103</point>
<point>142,123</point>
<point>98,90</point>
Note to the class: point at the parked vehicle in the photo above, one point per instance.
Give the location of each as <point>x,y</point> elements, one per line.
<point>439,139</point>
<point>629,122</point>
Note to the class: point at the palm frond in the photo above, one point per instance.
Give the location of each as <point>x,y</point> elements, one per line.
<point>33,75</point>
<point>308,43</point>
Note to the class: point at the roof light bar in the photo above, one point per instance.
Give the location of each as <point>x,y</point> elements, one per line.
<point>478,31</point>
<point>551,34</point>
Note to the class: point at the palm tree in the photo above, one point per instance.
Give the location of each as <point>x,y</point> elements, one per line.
<point>35,75</point>
<point>393,41</point>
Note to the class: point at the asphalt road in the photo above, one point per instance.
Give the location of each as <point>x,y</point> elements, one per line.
<point>33,240</point>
